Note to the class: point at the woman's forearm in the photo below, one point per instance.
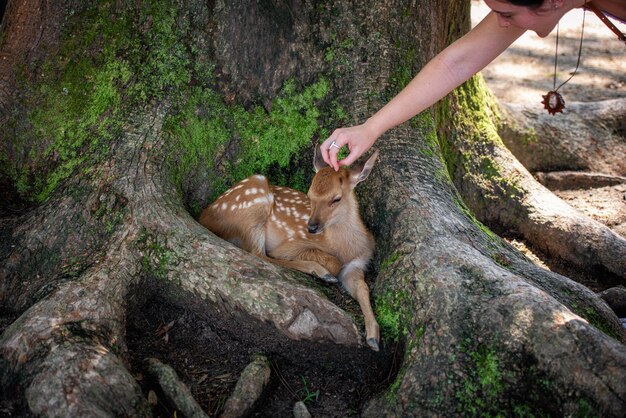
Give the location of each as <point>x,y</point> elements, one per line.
<point>444,73</point>
<point>432,83</point>
<point>441,75</point>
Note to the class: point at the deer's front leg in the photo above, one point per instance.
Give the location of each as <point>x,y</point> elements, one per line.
<point>353,280</point>
<point>330,262</point>
<point>307,260</point>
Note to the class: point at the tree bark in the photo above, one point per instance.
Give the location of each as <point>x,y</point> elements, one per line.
<point>483,330</point>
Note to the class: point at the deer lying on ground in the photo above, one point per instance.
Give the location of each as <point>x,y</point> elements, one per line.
<point>321,234</point>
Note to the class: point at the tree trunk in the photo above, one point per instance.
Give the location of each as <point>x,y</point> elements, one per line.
<point>139,114</point>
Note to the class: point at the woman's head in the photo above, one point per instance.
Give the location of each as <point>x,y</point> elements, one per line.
<point>540,16</point>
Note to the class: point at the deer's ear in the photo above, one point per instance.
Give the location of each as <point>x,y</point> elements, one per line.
<point>318,160</point>
<point>361,171</point>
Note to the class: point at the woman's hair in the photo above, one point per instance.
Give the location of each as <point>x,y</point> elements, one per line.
<point>531,4</point>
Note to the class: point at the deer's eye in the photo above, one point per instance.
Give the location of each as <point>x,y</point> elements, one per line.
<point>335,201</point>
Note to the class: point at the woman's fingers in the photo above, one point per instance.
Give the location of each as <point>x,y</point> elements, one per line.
<point>330,149</point>
<point>358,140</point>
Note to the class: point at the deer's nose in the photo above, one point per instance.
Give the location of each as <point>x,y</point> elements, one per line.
<point>313,227</point>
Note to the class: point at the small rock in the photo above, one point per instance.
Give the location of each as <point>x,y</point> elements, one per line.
<point>152,398</point>
<point>300,410</point>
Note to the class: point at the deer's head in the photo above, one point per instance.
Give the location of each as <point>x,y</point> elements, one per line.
<point>331,192</point>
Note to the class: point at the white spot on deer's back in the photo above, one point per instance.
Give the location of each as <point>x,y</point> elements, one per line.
<point>262,199</point>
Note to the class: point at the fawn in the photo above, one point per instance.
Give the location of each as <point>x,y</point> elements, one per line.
<point>321,233</point>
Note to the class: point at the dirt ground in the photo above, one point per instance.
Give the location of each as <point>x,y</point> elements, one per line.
<point>209,350</point>
<point>525,72</point>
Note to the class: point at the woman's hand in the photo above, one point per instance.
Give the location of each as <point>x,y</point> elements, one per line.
<point>358,138</point>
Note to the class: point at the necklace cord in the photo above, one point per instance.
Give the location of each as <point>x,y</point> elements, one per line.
<point>580,49</point>
<point>556,56</point>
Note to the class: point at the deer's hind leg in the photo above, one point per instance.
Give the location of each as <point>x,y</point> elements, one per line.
<point>240,215</point>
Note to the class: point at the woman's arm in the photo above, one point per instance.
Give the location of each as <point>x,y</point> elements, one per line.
<point>442,74</point>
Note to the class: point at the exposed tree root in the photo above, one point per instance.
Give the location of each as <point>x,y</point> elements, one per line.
<point>63,351</point>
<point>176,391</point>
<point>472,299</point>
<point>503,194</point>
<point>565,180</point>
<point>544,219</point>
<point>615,297</point>
<point>250,386</point>
<point>588,136</point>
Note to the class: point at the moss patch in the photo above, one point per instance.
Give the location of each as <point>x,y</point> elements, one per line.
<point>599,322</point>
<point>391,315</point>
<point>392,307</point>
<point>112,59</point>
<point>205,125</point>
<point>480,392</point>
<point>156,256</point>
<point>471,109</point>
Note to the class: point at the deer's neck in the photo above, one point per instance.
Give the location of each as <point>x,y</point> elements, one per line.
<point>349,237</point>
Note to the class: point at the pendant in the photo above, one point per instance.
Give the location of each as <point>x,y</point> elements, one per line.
<point>553,102</point>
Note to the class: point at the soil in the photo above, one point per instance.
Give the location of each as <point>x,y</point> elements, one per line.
<point>525,72</point>
<point>210,349</point>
